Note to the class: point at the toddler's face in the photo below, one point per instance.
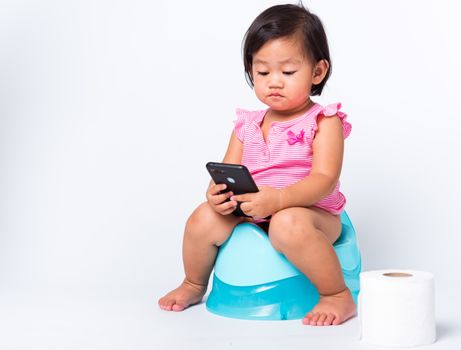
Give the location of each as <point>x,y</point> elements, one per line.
<point>282,75</point>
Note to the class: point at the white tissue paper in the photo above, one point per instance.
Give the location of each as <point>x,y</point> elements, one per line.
<point>396,307</point>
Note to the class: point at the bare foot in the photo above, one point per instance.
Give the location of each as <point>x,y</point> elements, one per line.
<point>332,310</point>
<point>185,295</point>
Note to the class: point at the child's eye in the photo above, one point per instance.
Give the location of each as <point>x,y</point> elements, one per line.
<point>263,73</point>
<point>289,72</point>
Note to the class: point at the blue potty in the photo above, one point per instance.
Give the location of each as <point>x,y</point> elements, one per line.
<point>252,280</point>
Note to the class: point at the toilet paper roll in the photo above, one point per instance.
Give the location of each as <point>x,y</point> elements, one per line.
<point>396,307</point>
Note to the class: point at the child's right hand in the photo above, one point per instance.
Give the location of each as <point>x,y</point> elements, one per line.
<point>218,201</point>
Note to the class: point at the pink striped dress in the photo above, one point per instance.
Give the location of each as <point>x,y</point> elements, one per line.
<point>286,157</point>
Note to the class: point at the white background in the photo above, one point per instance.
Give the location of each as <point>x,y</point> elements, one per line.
<point>109,111</point>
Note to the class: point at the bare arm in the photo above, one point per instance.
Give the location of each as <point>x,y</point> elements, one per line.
<point>234,151</point>
<point>328,149</point>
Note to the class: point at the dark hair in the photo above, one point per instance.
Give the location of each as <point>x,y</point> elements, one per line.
<point>283,21</point>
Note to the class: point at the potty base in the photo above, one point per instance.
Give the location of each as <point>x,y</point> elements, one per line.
<point>286,299</point>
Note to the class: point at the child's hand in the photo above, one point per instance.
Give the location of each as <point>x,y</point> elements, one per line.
<point>217,200</point>
<point>260,204</point>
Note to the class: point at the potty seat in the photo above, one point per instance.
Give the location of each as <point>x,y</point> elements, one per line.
<point>252,280</point>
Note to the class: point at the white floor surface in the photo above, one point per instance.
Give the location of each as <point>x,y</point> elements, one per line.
<point>111,319</point>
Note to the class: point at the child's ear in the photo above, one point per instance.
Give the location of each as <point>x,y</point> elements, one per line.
<point>320,70</point>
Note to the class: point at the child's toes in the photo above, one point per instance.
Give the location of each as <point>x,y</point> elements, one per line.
<point>321,320</point>
<point>329,320</point>
<point>307,319</point>
<point>178,307</point>
<point>165,306</point>
<point>161,303</point>
<point>336,321</point>
<point>166,303</point>
<point>314,319</point>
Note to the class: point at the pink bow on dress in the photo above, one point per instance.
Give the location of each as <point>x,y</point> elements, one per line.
<point>293,138</point>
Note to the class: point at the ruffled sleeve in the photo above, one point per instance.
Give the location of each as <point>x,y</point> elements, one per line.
<point>240,123</point>
<point>332,110</point>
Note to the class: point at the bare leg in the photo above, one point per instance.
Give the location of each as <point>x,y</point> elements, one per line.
<point>205,231</point>
<point>305,236</point>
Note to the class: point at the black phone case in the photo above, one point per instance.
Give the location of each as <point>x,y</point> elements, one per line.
<point>237,178</point>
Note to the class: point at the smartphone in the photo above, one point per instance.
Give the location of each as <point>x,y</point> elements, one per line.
<point>237,178</point>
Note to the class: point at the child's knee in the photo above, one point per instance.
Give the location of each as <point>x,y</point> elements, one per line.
<point>206,225</point>
<point>200,217</point>
<point>291,219</point>
<point>288,229</point>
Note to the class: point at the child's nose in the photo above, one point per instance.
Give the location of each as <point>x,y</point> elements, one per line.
<point>276,80</point>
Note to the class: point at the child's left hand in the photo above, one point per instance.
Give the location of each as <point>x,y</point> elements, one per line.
<point>260,204</point>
